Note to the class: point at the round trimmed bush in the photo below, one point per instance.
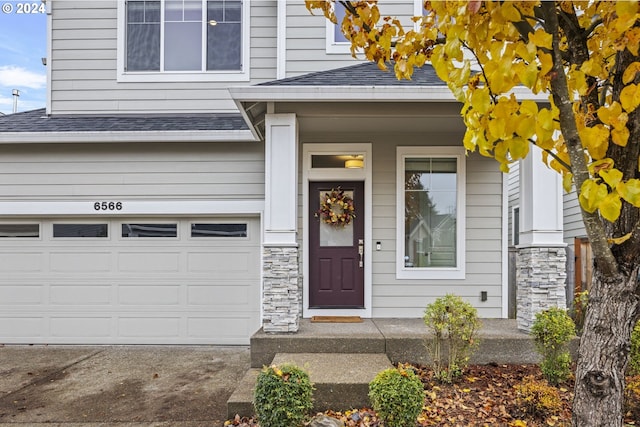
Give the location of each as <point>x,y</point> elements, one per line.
<point>283,396</point>
<point>397,396</point>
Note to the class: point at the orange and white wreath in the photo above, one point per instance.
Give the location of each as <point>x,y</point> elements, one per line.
<point>336,208</point>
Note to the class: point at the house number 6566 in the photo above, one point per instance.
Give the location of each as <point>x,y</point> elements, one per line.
<point>107,206</point>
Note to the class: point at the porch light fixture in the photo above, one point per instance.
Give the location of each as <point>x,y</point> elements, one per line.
<point>355,163</point>
<point>213,22</point>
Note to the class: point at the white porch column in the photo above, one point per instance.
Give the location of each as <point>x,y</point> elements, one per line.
<point>281,294</point>
<point>541,259</point>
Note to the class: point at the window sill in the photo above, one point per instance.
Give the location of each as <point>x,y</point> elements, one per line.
<point>430,274</point>
<point>210,76</point>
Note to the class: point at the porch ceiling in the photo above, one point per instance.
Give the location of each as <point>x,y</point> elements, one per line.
<point>374,118</point>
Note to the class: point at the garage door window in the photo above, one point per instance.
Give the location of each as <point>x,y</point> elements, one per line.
<point>149,230</point>
<point>19,230</point>
<point>218,230</point>
<point>80,230</point>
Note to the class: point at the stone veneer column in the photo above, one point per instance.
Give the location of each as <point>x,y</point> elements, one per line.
<point>281,295</point>
<point>541,275</point>
<point>541,259</point>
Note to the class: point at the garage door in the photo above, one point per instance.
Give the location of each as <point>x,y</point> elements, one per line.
<point>130,281</point>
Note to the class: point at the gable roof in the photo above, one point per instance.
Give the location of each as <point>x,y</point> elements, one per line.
<point>364,74</point>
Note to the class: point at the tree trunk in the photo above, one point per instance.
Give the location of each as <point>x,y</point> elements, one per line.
<point>604,350</point>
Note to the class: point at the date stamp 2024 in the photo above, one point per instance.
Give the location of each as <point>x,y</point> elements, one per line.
<point>23,8</point>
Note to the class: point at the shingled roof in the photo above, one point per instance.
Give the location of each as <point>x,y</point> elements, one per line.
<point>363,74</point>
<point>38,121</point>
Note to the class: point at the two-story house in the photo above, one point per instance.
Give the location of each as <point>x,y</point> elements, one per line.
<point>174,189</point>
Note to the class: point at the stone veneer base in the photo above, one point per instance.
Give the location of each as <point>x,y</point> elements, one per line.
<point>281,292</point>
<point>540,276</point>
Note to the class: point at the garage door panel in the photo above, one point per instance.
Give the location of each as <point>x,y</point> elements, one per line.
<point>229,328</point>
<point>21,294</point>
<point>80,262</point>
<point>146,327</point>
<point>150,295</point>
<point>233,262</point>
<point>149,261</point>
<point>19,262</point>
<point>22,326</point>
<point>81,327</point>
<point>220,295</point>
<point>80,295</point>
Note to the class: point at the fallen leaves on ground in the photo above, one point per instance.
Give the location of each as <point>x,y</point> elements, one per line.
<point>484,396</point>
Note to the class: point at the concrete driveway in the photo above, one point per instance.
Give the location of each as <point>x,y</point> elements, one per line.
<point>123,386</point>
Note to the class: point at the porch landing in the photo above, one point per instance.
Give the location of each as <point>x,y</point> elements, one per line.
<point>342,358</point>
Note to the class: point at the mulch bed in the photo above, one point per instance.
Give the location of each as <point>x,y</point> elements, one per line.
<point>484,396</point>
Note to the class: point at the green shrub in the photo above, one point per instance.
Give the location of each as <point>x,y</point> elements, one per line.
<point>552,330</point>
<point>282,396</point>
<point>454,323</point>
<point>397,396</point>
<point>537,398</point>
<point>634,356</point>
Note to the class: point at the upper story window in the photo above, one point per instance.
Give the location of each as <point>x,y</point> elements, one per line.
<point>182,40</point>
<point>336,42</point>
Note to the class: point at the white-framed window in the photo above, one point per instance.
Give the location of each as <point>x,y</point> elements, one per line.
<point>219,230</point>
<point>20,230</point>
<point>149,230</point>
<point>430,213</point>
<point>515,225</point>
<point>183,40</point>
<point>336,42</point>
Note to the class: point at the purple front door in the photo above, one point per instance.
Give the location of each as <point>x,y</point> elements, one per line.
<point>336,252</point>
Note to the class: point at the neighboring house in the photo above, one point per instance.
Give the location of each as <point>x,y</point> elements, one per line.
<point>167,193</point>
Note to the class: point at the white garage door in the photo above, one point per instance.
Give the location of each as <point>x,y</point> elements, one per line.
<point>130,281</point>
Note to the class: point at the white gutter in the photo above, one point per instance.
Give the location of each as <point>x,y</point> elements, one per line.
<point>147,136</point>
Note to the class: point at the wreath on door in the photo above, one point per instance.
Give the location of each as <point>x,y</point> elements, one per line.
<point>336,208</point>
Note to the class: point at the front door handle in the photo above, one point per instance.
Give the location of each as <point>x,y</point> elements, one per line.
<point>361,251</point>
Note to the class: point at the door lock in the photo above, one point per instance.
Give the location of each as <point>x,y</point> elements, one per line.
<point>361,251</point>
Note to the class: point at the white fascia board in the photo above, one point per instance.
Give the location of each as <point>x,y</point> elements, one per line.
<point>340,93</point>
<point>357,93</point>
<point>102,137</point>
<point>247,120</point>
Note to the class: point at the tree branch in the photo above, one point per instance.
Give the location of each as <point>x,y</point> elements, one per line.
<point>554,155</point>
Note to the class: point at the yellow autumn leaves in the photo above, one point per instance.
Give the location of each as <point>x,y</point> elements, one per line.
<point>486,51</point>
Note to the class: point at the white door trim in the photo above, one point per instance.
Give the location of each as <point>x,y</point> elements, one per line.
<point>318,174</point>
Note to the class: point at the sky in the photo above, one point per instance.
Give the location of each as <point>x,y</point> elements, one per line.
<point>23,44</point>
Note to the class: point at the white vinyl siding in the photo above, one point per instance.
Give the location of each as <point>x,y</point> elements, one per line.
<point>133,171</point>
<point>394,297</point>
<point>573,225</point>
<point>306,42</point>
<point>309,38</point>
<point>84,65</point>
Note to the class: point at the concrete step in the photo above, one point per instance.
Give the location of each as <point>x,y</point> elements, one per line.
<point>402,340</point>
<point>341,380</point>
<point>362,337</point>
